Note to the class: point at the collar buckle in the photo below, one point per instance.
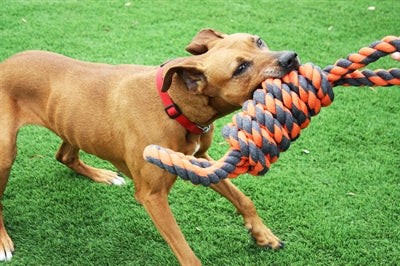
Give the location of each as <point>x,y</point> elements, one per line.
<point>173,111</point>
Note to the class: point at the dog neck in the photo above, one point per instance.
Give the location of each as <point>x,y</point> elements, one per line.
<point>198,108</point>
<point>174,112</point>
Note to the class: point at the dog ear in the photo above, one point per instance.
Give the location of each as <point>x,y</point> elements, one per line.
<point>204,41</point>
<point>190,74</point>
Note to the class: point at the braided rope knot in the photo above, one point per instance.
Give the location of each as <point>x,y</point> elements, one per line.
<point>276,114</point>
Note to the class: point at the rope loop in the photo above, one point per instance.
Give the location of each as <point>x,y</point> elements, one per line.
<point>276,114</point>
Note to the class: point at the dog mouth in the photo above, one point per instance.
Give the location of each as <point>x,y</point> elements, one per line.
<point>251,93</point>
<point>275,73</point>
<point>270,73</point>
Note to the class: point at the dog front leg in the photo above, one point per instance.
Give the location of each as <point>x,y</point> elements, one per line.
<point>152,186</point>
<point>261,234</point>
<point>157,207</point>
<point>8,153</point>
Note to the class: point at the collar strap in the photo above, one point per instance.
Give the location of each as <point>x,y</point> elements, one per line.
<point>173,110</point>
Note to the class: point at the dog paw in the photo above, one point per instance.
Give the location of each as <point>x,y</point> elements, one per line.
<point>6,247</point>
<point>281,246</point>
<point>5,255</point>
<point>118,180</point>
<point>108,177</point>
<point>264,237</point>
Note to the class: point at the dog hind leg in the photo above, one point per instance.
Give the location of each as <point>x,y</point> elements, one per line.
<point>69,155</point>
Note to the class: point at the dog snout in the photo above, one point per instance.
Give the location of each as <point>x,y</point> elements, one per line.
<point>288,60</point>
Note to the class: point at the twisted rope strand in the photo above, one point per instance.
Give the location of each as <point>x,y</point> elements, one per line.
<point>276,114</point>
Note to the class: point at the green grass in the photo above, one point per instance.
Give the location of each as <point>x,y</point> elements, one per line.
<point>337,205</point>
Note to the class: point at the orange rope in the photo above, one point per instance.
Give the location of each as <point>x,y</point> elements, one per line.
<point>276,114</point>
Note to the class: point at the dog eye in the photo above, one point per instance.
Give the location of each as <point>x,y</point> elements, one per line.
<point>241,68</point>
<point>261,43</point>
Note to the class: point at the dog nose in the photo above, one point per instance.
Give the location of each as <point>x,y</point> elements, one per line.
<point>288,60</point>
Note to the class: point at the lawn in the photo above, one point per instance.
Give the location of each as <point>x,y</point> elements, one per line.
<point>336,204</point>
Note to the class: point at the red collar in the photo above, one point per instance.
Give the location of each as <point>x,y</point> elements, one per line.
<point>173,110</point>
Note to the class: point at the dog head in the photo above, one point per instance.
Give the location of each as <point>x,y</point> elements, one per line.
<point>228,67</point>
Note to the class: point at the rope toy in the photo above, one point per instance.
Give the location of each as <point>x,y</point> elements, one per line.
<point>274,117</point>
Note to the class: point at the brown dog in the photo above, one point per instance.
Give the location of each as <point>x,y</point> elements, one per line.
<point>114,112</point>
